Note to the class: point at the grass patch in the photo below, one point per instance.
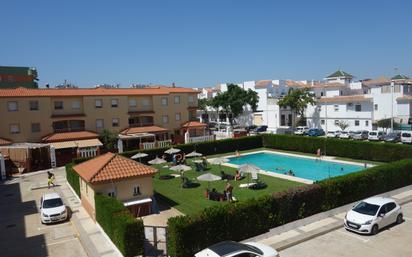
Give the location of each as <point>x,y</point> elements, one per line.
<point>193,200</point>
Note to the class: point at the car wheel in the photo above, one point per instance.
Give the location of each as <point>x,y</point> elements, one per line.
<point>375,229</point>
<point>399,219</point>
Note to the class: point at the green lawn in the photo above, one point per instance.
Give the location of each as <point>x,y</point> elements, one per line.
<point>193,200</point>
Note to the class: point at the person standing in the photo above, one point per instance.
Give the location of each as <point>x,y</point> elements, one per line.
<point>229,191</point>
<point>318,154</point>
<point>50,179</point>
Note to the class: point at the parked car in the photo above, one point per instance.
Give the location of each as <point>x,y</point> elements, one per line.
<point>234,249</point>
<point>392,137</point>
<point>52,208</point>
<point>376,135</point>
<point>406,137</point>
<point>372,214</point>
<point>301,130</point>
<point>315,132</point>
<point>346,134</point>
<point>361,135</point>
<point>333,133</point>
<point>250,128</point>
<point>262,128</point>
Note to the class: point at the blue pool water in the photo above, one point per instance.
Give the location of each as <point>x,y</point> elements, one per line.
<point>302,167</point>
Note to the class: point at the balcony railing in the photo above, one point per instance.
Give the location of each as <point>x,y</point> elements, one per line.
<point>60,130</point>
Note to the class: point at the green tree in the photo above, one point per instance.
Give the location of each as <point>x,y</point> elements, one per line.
<point>109,140</point>
<point>297,100</point>
<point>386,123</point>
<point>233,101</point>
<point>342,125</point>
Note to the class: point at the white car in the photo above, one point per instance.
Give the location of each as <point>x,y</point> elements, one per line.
<point>234,249</point>
<point>376,135</point>
<point>333,134</point>
<point>372,214</point>
<point>406,137</point>
<point>301,130</point>
<point>344,134</point>
<point>52,208</point>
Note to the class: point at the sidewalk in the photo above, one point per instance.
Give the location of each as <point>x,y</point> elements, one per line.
<point>92,237</point>
<point>299,231</point>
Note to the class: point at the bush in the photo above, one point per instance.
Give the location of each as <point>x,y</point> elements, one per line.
<point>190,234</point>
<point>73,178</point>
<point>125,231</point>
<point>206,148</point>
<point>372,151</point>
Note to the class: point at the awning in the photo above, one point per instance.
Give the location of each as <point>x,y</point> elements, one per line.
<point>137,135</point>
<point>136,202</point>
<point>77,143</point>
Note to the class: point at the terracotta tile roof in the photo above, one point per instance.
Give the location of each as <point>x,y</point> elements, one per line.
<point>69,136</point>
<point>4,141</point>
<point>262,83</point>
<point>328,85</point>
<point>109,167</point>
<point>376,82</point>
<point>292,83</point>
<point>405,97</point>
<point>193,124</point>
<point>47,92</point>
<point>147,129</point>
<point>346,98</point>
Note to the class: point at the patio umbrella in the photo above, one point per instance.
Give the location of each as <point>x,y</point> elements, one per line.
<point>208,177</point>
<point>156,160</point>
<point>139,156</point>
<point>219,161</point>
<point>172,150</point>
<point>194,154</point>
<point>181,167</point>
<point>248,168</point>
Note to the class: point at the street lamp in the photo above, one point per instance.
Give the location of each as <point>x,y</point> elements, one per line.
<point>392,89</point>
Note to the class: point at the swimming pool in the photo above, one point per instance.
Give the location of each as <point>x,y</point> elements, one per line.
<point>306,168</point>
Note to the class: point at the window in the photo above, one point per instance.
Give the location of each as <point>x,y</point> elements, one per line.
<point>165,119</point>
<point>390,207</point>
<point>12,106</point>
<point>112,193</point>
<point>366,123</point>
<point>340,92</point>
<point>58,105</point>
<point>336,122</point>
<point>99,124</point>
<point>356,122</point>
<point>178,116</point>
<point>98,103</point>
<point>76,105</point>
<point>322,94</point>
<point>191,99</point>
<point>115,122</point>
<point>375,107</point>
<point>115,103</point>
<point>145,102</point>
<point>34,105</point>
<point>35,127</point>
<point>164,101</point>
<point>322,122</point>
<point>132,103</point>
<point>177,99</point>
<point>282,120</point>
<point>358,108</point>
<point>336,107</point>
<point>14,128</point>
<point>136,191</point>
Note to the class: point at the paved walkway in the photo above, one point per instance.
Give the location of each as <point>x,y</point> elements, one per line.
<point>299,231</point>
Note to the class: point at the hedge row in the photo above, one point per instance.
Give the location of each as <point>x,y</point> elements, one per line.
<point>189,234</point>
<point>206,148</point>
<point>372,151</point>
<point>73,178</point>
<point>125,231</point>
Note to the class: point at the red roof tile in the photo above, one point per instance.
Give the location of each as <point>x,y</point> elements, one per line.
<point>193,124</point>
<point>4,141</point>
<point>346,98</point>
<point>109,167</point>
<point>68,136</point>
<point>147,129</point>
<point>25,92</point>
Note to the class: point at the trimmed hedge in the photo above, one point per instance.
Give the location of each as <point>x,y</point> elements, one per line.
<point>189,234</point>
<point>125,231</point>
<point>372,151</point>
<point>73,178</point>
<point>206,148</point>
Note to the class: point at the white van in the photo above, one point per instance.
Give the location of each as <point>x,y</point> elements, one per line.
<point>301,130</point>
<point>376,135</point>
<point>406,137</point>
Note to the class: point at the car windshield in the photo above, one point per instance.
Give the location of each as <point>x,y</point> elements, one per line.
<point>406,135</point>
<point>52,203</point>
<point>366,208</point>
<point>344,132</point>
<point>372,133</point>
<point>358,132</point>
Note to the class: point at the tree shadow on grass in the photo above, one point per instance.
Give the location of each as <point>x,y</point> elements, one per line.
<point>164,202</point>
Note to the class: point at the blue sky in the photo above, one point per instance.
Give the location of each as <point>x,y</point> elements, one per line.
<point>201,43</point>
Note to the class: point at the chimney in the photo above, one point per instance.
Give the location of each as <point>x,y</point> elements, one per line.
<point>173,84</point>
<point>47,86</point>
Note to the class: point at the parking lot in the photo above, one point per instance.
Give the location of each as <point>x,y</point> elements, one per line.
<point>392,241</point>
<point>22,232</point>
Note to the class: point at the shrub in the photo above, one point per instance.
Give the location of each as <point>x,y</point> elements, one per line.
<point>126,232</point>
<point>73,178</point>
<point>373,151</point>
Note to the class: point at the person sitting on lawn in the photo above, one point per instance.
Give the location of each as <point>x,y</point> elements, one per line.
<point>204,162</point>
<point>226,176</point>
<point>238,175</point>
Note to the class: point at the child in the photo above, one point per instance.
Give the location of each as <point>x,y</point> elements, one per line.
<point>50,179</point>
